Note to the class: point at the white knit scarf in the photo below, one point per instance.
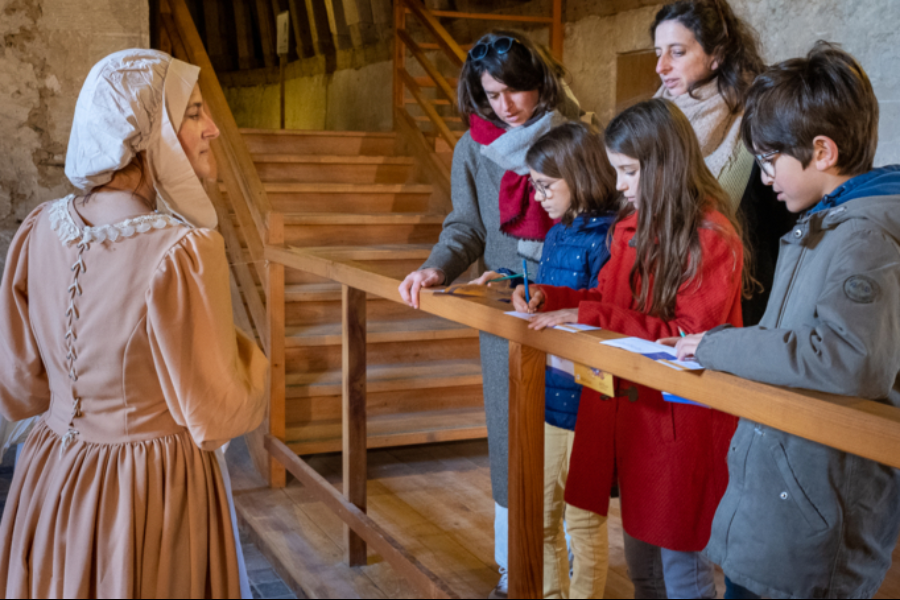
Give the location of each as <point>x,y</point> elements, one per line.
<point>718,130</point>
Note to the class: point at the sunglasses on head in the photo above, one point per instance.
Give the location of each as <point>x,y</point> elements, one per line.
<point>501,46</point>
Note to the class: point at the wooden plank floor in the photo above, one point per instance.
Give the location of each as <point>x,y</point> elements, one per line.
<point>434,499</point>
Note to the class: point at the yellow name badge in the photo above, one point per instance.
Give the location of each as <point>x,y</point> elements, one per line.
<point>595,379</point>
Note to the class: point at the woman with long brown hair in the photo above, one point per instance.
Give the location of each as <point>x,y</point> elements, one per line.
<point>708,57</point>
<point>511,92</point>
<point>677,265</point>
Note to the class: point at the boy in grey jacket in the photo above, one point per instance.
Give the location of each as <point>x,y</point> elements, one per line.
<point>799,519</point>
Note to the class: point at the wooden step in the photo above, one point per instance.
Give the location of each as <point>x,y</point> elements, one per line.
<point>345,143</point>
<point>403,429</point>
<point>300,359</point>
<point>342,197</point>
<point>359,219</point>
<point>328,169</point>
<point>342,229</point>
<point>389,378</point>
<point>380,332</point>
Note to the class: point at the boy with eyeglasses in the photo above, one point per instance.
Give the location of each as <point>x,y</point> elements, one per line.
<point>799,519</point>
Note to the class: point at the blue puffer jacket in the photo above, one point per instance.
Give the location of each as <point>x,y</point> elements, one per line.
<point>572,257</point>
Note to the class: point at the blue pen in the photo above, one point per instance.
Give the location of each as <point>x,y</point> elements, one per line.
<point>525,272</point>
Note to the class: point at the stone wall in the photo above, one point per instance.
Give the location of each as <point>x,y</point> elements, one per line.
<point>345,100</point>
<point>48,47</point>
<point>868,29</point>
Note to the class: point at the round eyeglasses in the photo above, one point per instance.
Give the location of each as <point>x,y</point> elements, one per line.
<point>540,187</point>
<point>501,46</point>
<point>766,164</point>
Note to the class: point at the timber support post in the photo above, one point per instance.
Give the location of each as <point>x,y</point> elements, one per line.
<point>526,471</point>
<point>355,461</point>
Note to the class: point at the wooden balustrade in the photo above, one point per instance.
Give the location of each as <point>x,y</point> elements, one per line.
<point>863,427</point>
<point>443,41</point>
<point>247,200</point>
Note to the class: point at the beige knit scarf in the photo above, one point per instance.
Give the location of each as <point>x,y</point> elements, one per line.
<point>718,130</point>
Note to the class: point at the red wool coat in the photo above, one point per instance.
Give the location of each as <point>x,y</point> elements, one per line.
<point>669,459</point>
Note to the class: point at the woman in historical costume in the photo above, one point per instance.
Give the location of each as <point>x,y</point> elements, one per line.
<point>116,327</point>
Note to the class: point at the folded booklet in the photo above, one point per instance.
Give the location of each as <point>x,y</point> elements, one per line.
<point>659,352</point>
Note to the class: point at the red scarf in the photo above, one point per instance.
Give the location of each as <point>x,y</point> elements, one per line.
<point>520,216</point>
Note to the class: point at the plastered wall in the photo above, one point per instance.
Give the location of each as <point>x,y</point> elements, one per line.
<point>869,29</point>
<point>47,48</point>
<point>346,100</point>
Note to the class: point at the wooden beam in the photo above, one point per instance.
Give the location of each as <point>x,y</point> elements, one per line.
<point>266,31</point>
<point>440,81</point>
<point>863,427</point>
<point>307,44</point>
<point>437,31</point>
<point>358,15</point>
<point>318,22</point>
<point>275,310</point>
<point>557,32</point>
<point>215,43</point>
<point>436,119</point>
<point>527,367</point>
<point>355,464</point>
<point>337,23</point>
<point>428,584</point>
<point>244,28</point>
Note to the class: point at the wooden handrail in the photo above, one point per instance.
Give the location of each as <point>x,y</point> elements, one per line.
<point>868,429</point>
<point>456,54</point>
<point>429,109</point>
<point>439,80</point>
<point>855,425</point>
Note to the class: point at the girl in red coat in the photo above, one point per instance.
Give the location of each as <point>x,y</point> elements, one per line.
<point>677,265</point>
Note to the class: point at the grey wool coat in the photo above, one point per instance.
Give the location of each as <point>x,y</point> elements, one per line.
<point>472,232</point>
<point>799,519</point>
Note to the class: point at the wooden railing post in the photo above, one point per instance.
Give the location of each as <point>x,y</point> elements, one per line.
<point>557,32</point>
<point>526,471</point>
<point>399,54</point>
<point>275,320</point>
<point>353,349</point>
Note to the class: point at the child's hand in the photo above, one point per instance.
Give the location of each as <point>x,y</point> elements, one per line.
<point>486,278</point>
<point>552,319</point>
<point>686,347</point>
<point>537,299</point>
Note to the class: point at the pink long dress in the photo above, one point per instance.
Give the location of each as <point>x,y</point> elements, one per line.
<point>122,338</point>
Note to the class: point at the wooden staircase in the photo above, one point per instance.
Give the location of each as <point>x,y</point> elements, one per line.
<point>357,191</point>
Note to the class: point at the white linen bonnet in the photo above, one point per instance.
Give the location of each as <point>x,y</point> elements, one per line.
<point>132,101</point>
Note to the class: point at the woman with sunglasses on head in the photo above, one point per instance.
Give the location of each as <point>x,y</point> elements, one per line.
<point>511,92</point>
<point>708,57</point>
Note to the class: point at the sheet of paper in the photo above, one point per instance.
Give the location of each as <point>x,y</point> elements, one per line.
<point>570,327</point>
<point>658,352</point>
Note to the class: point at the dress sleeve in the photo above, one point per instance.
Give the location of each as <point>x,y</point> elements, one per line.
<point>701,304</point>
<point>213,377</point>
<point>24,386</point>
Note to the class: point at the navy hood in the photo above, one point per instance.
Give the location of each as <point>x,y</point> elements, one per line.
<point>884,181</point>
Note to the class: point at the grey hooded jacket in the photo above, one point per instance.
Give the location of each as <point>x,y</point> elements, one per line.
<point>799,519</point>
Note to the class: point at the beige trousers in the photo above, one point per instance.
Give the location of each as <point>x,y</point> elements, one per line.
<point>588,531</point>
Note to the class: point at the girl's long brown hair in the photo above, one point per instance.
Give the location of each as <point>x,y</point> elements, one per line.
<point>676,191</point>
<point>575,153</point>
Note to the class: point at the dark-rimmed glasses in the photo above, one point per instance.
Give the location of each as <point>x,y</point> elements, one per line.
<point>501,46</point>
<point>766,164</point>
